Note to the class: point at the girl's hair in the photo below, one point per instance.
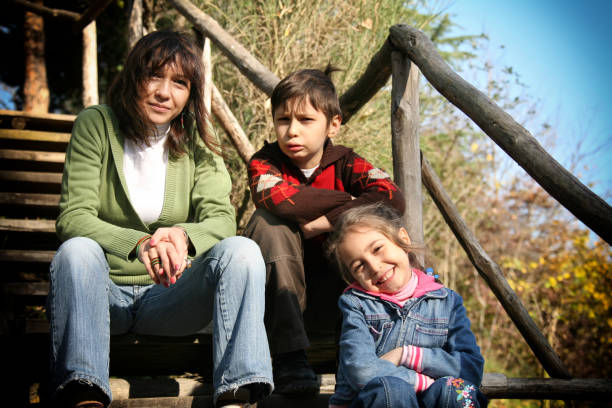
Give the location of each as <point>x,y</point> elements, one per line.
<point>149,56</point>
<point>378,217</point>
<point>314,84</point>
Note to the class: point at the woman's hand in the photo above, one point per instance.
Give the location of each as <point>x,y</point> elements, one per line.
<point>164,255</point>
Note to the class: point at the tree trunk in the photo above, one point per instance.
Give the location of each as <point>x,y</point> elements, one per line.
<point>35,88</point>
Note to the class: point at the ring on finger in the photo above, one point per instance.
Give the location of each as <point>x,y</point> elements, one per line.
<point>155,261</point>
<point>187,263</point>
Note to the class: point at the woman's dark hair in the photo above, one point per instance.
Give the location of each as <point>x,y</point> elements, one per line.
<point>149,56</point>
<point>378,217</point>
<point>314,84</point>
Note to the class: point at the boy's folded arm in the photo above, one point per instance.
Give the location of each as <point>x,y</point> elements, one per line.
<point>367,184</point>
<point>296,202</point>
<point>460,357</point>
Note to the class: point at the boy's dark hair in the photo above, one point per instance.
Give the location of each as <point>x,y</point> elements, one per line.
<point>149,56</point>
<point>314,84</point>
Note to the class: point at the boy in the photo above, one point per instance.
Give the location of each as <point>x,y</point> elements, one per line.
<point>300,186</point>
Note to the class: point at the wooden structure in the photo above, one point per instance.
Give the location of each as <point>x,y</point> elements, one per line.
<point>31,161</point>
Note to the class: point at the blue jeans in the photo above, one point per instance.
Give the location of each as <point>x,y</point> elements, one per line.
<point>393,392</point>
<point>226,284</point>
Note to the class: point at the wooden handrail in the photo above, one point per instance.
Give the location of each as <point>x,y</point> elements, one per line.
<point>254,70</point>
<point>492,274</point>
<point>515,140</point>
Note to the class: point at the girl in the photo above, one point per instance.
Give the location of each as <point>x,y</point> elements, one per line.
<point>406,339</point>
<point>144,188</point>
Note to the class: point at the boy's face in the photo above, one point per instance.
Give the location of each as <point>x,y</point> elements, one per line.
<point>301,131</point>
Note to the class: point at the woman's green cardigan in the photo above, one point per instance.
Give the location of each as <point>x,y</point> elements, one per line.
<point>95,202</point>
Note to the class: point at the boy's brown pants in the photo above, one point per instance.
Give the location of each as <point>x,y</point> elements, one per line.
<point>302,288</point>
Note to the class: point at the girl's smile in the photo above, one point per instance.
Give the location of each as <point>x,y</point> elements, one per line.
<point>374,261</point>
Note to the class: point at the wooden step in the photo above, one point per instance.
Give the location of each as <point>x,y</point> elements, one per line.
<point>26,255</point>
<point>26,289</point>
<point>274,401</point>
<point>147,387</point>
<point>22,120</point>
<point>32,155</point>
<point>31,176</point>
<point>43,200</point>
<point>34,135</point>
<point>21,225</point>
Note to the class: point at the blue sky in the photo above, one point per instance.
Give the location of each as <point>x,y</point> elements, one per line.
<point>562,51</point>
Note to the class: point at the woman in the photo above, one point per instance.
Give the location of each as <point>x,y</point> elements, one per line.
<point>142,194</point>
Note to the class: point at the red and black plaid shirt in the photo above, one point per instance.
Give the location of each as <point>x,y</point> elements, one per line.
<point>280,187</point>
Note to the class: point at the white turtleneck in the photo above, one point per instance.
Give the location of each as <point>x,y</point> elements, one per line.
<point>144,168</point>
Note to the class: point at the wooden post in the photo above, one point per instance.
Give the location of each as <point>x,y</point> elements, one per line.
<point>90,65</point>
<point>405,142</point>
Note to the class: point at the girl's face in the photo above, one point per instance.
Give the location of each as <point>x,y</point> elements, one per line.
<point>376,262</point>
<point>165,94</point>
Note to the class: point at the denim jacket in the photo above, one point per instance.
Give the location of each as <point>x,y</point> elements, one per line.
<point>435,321</point>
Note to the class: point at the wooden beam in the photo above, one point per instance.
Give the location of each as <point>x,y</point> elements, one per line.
<point>231,126</point>
<point>31,176</point>
<point>405,143</point>
<point>374,77</point>
<point>254,70</point>
<point>32,155</point>
<point>48,12</point>
<point>25,255</point>
<point>43,200</point>
<point>506,132</point>
<point>94,10</point>
<point>493,276</point>
<point>8,224</point>
<point>592,389</point>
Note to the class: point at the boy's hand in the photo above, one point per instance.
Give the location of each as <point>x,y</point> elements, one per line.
<point>394,356</point>
<point>316,227</point>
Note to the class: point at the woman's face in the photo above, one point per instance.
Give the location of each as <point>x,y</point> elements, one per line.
<point>165,94</point>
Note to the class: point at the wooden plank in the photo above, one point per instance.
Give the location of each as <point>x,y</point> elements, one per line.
<point>34,135</point>
<point>26,255</point>
<point>9,224</point>
<point>493,275</point>
<point>32,155</point>
<point>31,176</point>
<point>44,200</point>
<point>26,288</point>
<point>514,139</point>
